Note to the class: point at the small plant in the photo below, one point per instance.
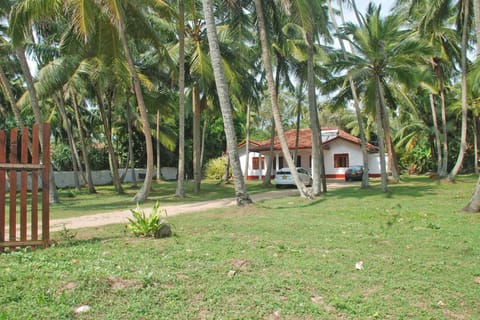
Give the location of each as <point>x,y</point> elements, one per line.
<point>67,235</point>
<point>152,225</point>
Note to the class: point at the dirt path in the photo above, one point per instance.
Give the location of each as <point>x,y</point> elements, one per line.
<point>122,216</point>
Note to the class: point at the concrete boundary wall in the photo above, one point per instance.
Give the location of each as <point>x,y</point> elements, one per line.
<point>66,179</point>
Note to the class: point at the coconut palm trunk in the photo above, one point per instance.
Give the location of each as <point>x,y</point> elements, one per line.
<point>223,95</point>
<point>356,100</point>
<point>463,135</point>
<point>10,97</point>
<point>380,133</point>
<point>317,152</point>
<point>76,164</point>
<point>438,142</point>
<point>22,58</point>
<point>268,172</point>
<point>247,142</point>
<point>197,145</point>
<point>83,146</point>
<point>157,138</point>
<point>180,192</point>
<point>144,191</point>
<point>273,97</point>
<point>108,135</point>
<point>130,143</point>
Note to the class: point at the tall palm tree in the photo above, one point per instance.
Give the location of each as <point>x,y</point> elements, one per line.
<point>20,32</point>
<point>180,192</point>
<point>356,100</point>
<point>273,97</point>
<point>464,26</point>
<point>223,95</point>
<point>384,56</point>
<point>312,18</point>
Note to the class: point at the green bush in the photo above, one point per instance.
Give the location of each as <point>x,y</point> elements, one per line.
<point>215,168</point>
<point>149,226</point>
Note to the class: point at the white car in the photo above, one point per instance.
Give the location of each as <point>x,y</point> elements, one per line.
<point>285,178</point>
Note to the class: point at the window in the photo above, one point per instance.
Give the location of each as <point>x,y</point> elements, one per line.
<point>299,161</point>
<point>256,163</point>
<point>340,160</point>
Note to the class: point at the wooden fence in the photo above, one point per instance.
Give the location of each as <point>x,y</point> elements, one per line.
<point>18,235</point>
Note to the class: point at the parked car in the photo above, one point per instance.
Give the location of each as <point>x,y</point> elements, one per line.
<point>354,173</point>
<point>285,178</point>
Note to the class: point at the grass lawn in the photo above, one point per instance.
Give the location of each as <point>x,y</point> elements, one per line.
<point>286,258</point>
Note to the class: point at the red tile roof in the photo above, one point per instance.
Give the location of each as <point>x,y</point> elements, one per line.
<point>305,139</point>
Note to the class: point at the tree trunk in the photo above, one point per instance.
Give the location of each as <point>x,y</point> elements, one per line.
<point>476,15</point>
<point>197,117</point>
<point>204,134</point>
<point>10,97</point>
<point>223,95</point>
<point>268,173</point>
<point>142,194</point>
<point>392,157</point>
<point>317,152</point>
<point>475,143</point>
<point>380,134</point>
<point>356,100</point>
<point>38,115</point>
<point>130,143</point>
<point>474,203</point>
<point>83,146</point>
<point>247,143</point>
<point>158,146</point>
<point>438,142</point>
<point>108,136</point>
<point>273,97</point>
<point>463,136</point>
<point>77,165</point>
<point>180,192</point>
<point>297,123</point>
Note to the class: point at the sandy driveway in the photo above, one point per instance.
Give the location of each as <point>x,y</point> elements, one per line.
<point>107,218</point>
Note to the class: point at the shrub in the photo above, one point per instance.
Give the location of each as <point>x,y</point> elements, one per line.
<point>153,225</point>
<point>215,168</point>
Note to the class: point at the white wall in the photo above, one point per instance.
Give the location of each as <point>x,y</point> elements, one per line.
<point>65,179</point>
<point>340,147</point>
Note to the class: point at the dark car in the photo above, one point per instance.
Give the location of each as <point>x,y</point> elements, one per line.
<point>354,173</point>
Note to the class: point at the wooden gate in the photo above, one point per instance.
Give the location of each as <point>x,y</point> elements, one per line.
<point>13,235</point>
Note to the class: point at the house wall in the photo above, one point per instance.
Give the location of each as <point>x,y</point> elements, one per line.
<point>256,174</point>
<point>341,147</point>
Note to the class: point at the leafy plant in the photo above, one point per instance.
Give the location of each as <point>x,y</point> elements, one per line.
<point>215,168</point>
<point>152,225</point>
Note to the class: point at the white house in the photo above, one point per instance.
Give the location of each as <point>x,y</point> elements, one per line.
<point>340,150</point>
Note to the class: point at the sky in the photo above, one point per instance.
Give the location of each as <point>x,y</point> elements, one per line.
<point>362,7</point>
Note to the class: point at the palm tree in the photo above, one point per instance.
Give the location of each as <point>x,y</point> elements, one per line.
<point>223,95</point>
<point>356,100</point>
<point>273,97</point>
<point>180,192</point>
<point>464,22</point>
<point>19,32</point>
<point>384,56</point>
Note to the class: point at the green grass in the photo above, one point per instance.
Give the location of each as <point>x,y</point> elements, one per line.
<point>289,256</point>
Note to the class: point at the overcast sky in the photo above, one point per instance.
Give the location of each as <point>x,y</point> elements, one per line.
<point>362,7</point>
